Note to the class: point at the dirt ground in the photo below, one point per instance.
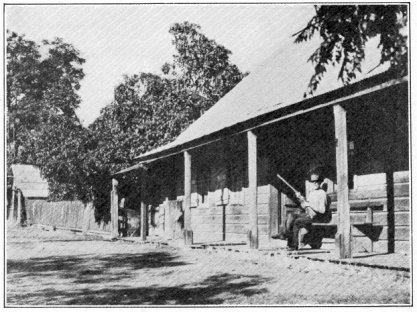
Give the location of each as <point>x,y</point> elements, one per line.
<point>63,268</point>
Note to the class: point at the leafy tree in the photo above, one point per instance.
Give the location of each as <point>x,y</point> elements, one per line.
<point>345,29</point>
<point>201,66</point>
<point>38,90</point>
<point>150,110</point>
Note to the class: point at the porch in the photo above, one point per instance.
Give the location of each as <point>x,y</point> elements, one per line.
<point>225,189</point>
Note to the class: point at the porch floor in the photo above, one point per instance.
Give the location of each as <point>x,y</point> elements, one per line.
<point>392,261</point>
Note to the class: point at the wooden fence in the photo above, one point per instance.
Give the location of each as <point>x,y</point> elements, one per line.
<point>64,214</point>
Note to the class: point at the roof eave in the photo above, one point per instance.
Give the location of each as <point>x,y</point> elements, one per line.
<point>385,79</point>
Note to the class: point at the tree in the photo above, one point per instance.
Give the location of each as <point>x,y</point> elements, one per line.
<point>150,110</point>
<point>345,29</point>
<point>201,66</point>
<point>38,90</point>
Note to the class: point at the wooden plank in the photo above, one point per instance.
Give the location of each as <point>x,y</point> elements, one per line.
<point>363,204</point>
<point>263,219</point>
<point>188,234</point>
<point>207,219</point>
<point>274,211</point>
<point>211,228</point>
<point>237,210</point>
<point>12,205</point>
<point>402,204</point>
<point>237,228</point>
<point>401,176</point>
<point>400,218</point>
<point>252,189</point>
<point>207,237</point>
<point>86,217</point>
<point>369,180</point>
<point>379,192</point>
<point>401,189</point>
<point>343,236</point>
<point>401,233</point>
<point>233,219</point>
<point>263,208</point>
<point>236,237</point>
<point>264,190</point>
<point>263,229</point>
<point>114,209</point>
<point>143,210</point>
<point>19,207</point>
<point>362,244</point>
<point>263,198</point>
<point>399,246</point>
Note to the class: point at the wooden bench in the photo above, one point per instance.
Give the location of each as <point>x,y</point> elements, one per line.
<point>318,231</point>
<point>369,219</point>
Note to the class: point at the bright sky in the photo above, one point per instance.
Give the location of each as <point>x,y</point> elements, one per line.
<point>128,39</point>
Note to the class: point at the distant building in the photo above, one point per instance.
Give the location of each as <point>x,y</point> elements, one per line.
<point>27,185</point>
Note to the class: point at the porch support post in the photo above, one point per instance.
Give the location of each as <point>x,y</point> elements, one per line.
<point>343,235</point>
<point>253,191</point>
<point>19,207</point>
<point>143,208</point>
<point>188,233</point>
<point>114,209</point>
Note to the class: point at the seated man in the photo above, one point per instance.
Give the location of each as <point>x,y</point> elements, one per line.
<point>314,210</point>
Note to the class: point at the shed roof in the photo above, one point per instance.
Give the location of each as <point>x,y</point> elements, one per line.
<point>28,179</point>
<point>279,81</point>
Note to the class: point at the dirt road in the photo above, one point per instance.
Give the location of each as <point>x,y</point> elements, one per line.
<point>61,268</point>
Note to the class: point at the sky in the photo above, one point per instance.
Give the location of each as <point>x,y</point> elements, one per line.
<point>128,39</point>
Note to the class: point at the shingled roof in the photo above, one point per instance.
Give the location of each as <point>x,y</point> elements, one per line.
<point>28,179</point>
<point>278,82</point>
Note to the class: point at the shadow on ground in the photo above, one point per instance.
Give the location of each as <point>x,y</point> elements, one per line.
<point>93,281</point>
<point>213,290</point>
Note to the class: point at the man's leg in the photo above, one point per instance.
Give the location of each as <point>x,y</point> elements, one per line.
<point>303,221</point>
<point>289,224</point>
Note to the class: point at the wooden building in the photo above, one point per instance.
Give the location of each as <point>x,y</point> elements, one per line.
<point>26,186</point>
<point>217,181</point>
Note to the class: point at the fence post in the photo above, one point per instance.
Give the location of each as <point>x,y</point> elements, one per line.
<point>86,218</point>
<point>114,210</point>
<point>19,208</point>
<point>12,205</point>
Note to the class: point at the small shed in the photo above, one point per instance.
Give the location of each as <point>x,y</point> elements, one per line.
<point>27,185</point>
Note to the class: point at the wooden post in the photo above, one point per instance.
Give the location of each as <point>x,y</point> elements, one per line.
<point>114,209</point>
<point>252,190</point>
<point>12,205</point>
<point>343,235</point>
<point>188,234</point>
<point>143,208</point>
<point>86,217</point>
<point>19,207</point>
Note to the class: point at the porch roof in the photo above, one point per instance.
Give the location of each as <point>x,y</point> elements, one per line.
<point>277,85</point>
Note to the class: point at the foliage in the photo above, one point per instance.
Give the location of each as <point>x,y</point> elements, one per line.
<point>345,29</point>
<point>41,102</point>
<point>38,90</point>
<point>149,110</point>
<point>201,65</point>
